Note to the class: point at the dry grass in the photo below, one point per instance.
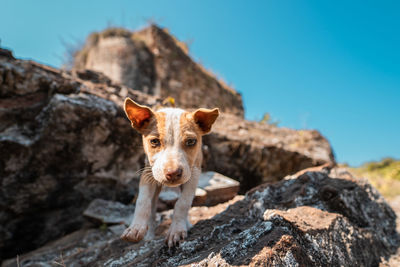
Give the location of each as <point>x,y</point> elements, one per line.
<point>384,175</point>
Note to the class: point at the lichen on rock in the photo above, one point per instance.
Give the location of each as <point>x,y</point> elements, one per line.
<point>266,228</point>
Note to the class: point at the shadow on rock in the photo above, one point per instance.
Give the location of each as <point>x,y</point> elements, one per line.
<point>319,217</point>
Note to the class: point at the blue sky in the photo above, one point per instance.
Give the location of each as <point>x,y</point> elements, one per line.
<point>333,66</point>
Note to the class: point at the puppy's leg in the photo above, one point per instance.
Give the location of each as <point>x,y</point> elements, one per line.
<point>139,226</point>
<point>153,220</point>
<point>179,226</point>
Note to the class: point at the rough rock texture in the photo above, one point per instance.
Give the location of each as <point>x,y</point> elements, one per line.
<point>253,152</point>
<point>319,217</point>
<point>154,62</point>
<point>64,141</point>
<point>83,247</point>
<point>60,148</point>
<point>124,59</point>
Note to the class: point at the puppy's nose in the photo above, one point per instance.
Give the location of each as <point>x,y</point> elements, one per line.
<point>173,175</point>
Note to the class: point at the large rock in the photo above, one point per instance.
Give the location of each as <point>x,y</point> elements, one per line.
<point>153,61</point>
<point>319,217</point>
<point>61,147</point>
<point>253,152</point>
<point>64,141</point>
<point>121,57</point>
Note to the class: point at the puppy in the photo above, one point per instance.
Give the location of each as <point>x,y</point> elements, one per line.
<point>172,141</point>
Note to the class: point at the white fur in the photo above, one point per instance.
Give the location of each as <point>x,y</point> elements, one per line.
<point>172,153</point>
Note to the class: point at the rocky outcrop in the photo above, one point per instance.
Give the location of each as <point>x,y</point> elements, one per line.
<point>319,217</point>
<point>61,146</point>
<point>253,152</point>
<point>153,61</point>
<point>64,141</point>
<point>121,57</point>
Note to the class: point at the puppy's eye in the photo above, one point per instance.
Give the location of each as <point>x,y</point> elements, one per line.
<point>155,142</point>
<point>191,142</point>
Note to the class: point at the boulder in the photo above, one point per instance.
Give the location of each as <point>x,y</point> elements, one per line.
<point>65,141</point>
<point>155,62</point>
<point>120,56</point>
<point>318,217</point>
<point>253,152</point>
<point>61,147</point>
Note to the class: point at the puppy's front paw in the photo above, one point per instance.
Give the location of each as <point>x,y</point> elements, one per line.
<point>134,233</point>
<point>177,232</point>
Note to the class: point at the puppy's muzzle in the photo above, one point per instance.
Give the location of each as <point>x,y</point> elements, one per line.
<point>173,175</point>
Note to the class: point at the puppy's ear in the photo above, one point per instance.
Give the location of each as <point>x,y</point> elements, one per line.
<point>205,118</point>
<point>139,115</point>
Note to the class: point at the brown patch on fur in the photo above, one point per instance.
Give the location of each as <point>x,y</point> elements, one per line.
<point>189,129</point>
<point>155,129</point>
<point>205,118</point>
<point>139,115</point>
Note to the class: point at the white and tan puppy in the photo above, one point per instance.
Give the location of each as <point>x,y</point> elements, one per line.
<point>172,143</point>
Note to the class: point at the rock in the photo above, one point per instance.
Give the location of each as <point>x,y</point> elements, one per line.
<point>218,187</point>
<point>55,165</point>
<point>200,197</point>
<point>154,62</point>
<point>394,259</point>
<point>65,141</point>
<point>121,57</point>
<point>395,204</point>
<point>109,212</point>
<point>213,188</point>
<point>58,252</point>
<point>169,196</point>
<point>87,245</point>
<point>6,53</point>
<point>319,217</point>
<point>253,153</point>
